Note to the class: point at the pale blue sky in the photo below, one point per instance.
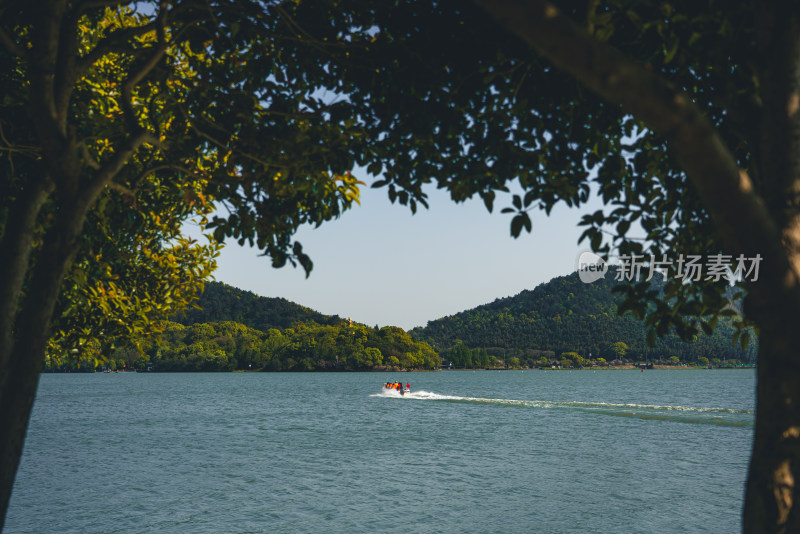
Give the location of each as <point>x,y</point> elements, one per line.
<point>379,264</point>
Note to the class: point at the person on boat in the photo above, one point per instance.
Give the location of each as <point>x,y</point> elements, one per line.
<point>408,386</point>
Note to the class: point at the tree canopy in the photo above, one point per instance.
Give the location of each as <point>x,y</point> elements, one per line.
<point>118,122</point>
<point>118,125</point>
<point>229,346</point>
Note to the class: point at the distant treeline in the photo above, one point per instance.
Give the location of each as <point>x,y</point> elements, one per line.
<point>567,316</point>
<point>230,346</point>
<point>561,323</point>
<point>616,354</point>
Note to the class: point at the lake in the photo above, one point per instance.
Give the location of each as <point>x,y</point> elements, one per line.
<point>467,452</point>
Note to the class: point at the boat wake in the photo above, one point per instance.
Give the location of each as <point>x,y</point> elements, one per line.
<point>685,414</point>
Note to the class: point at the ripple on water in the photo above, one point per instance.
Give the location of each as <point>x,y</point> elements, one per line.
<point>519,452</point>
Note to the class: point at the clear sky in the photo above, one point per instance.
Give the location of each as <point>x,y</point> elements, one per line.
<point>379,264</point>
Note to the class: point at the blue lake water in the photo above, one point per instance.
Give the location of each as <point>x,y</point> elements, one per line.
<point>467,452</point>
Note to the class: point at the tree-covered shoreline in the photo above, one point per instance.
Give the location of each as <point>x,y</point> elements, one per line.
<point>232,346</point>
<point>566,319</point>
<point>560,324</point>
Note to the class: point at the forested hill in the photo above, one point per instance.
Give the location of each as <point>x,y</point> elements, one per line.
<point>237,330</point>
<point>567,315</point>
<point>221,302</point>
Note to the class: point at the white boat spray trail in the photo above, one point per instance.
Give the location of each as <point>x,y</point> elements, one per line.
<point>683,414</point>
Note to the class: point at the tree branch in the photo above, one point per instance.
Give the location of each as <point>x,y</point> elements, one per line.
<point>65,71</point>
<point>136,77</point>
<point>43,58</point>
<point>167,167</point>
<point>116,41</point>
<point>727,192</point>
<point>112,167</point>
<point>219,144</point>
<point>131,191</point>
<point>319,45</point>
<point>87,158</point>
<point>121,188</point>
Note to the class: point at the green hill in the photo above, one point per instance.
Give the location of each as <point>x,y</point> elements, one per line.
<point>567,315</point>
<point>221,302</point>
<point>238,330</point>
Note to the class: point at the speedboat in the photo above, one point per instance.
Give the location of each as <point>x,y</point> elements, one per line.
<point>400,390</point>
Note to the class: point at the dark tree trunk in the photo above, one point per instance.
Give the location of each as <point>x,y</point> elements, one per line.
<point>766,222</point>
<point>773,488</point>
<point>71,188</point>
<point>16,403</point>
<point>771,495</point>
<point>24,362</point>
<point>15,251</point>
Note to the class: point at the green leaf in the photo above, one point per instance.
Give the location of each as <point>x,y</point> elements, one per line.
<point>516,226</point>
<point>488,200</point>
<point>596,241</point>
<point>530,196</point>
